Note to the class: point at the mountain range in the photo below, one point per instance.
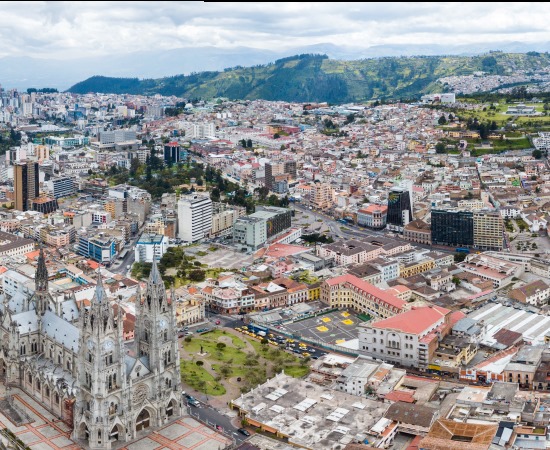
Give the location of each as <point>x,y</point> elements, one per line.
<point>24,72</point>
<point>314,77</point>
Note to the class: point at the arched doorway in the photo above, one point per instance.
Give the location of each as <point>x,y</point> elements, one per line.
<point>143,420</point>
<point>116,433</point>
<point>83,432</point>
<point>2,369</point>
<point>170,409</point>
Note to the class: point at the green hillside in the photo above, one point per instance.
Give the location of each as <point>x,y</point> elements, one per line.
<point>317,78</point>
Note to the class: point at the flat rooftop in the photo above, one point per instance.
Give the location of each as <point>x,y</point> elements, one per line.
<point>309,415</point>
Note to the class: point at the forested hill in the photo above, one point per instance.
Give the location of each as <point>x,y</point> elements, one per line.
<point>317,78</point>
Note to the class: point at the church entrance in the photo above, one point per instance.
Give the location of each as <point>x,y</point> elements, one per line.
<point>2,369</point>
<point>116,433</point>
<point>143,420</point>
<point>83,432</point>
<point>170,408</point>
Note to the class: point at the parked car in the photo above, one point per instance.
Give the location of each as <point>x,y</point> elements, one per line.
<point>243,431</point>
<point>218,322</point>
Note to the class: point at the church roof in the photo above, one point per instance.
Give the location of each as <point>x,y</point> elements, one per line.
<point>27,321</point>
<point>59,330</point>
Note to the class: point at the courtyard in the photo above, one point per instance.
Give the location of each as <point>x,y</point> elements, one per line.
<point>337,327</point>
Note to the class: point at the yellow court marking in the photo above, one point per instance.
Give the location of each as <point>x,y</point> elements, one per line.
<point>326,319</point>
<point>322,328</point>
<point>348,322</point>
<point>340,341</point>
<point>345,314</point>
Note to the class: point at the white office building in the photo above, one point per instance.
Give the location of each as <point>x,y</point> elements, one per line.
<point>62,186</point>
<point>194,217</point>
<point>151,246</point>
<point>116,136</point>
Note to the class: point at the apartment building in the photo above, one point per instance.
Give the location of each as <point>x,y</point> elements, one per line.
<point>536,293</point>
<point>194,217</point>
<point>488,230</point>
<point>373,216</point>
<point>409,338</point>
<point>418,231</point>
<point>348,291</point>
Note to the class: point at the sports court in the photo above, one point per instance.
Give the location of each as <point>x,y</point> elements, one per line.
<point>336,327</point>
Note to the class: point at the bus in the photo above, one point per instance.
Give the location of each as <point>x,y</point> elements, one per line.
<point>123,254</point>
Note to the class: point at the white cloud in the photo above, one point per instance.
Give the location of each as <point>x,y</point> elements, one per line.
<point>65,30</point>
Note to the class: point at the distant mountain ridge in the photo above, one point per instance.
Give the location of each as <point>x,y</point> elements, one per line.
<point>310,77</point>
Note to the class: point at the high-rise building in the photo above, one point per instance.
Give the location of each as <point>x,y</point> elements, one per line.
<point>25,184</point>
<point>194,217</point>
<point>452,227</point>
<point>62,186</point>
<point>173,153</point>
<point>488,230</point>
<point>399,208</point>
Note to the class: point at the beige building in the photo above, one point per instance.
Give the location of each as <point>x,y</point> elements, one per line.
<point>190,310</point>
<point>418,231</point>
<point>488,230</point>
<point>224,216</point>
<point>321,195</point>
<point>535,293</point>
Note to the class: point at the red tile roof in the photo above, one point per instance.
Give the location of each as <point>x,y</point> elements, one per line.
<point>384,296</point>
<point>399,396</point>
<point>415,321</point>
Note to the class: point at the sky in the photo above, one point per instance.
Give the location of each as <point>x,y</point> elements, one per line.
<point>65,30</point>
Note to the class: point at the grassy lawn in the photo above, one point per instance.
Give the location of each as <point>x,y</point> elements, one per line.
<point>234,360</point>
<point>195,376</point>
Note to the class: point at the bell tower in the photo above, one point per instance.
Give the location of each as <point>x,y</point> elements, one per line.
<point>100,411</point>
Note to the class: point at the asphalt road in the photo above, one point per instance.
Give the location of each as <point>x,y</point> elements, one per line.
<point>212,417</point>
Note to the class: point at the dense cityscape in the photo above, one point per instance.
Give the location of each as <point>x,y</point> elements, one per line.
<point>170,266</point>
<point>341,245</point>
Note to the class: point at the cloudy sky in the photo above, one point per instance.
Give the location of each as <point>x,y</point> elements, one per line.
<point>64,30</point>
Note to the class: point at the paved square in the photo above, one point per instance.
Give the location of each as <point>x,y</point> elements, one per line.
<point>335,327</point>
<point>29,437</point>
<point>41,446</point>
<point>50,433</point>
<point>144,444</point>
<point>61,441</point>
<point>174,431</point>
<point>192,439</point>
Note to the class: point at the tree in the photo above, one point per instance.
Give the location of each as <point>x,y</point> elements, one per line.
<point>221,346</point>
<point>197,275</point>
<point>215,195</point>
<point>442,120</point>
<point>200,363</point>
<point>249,143</point>
<point>459,256</point>
<point>276,136</point>
<point>440,147</point>
<point>456,281</point>
<point>537,154</point>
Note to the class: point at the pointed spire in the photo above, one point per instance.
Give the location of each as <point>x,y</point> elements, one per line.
<point>99,294</point>
<point>41,275</point>
<point>154,276</point>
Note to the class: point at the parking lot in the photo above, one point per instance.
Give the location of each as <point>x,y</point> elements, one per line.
<point>333,328</point>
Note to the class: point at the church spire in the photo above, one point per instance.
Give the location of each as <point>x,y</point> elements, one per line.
<point>99,294</point>
<point>41,276</point>
<point>154,276</point>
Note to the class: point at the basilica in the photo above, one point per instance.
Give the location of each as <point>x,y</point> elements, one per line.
<point>74,362</point>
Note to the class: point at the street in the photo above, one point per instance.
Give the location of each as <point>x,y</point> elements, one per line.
<point>212,417</point>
